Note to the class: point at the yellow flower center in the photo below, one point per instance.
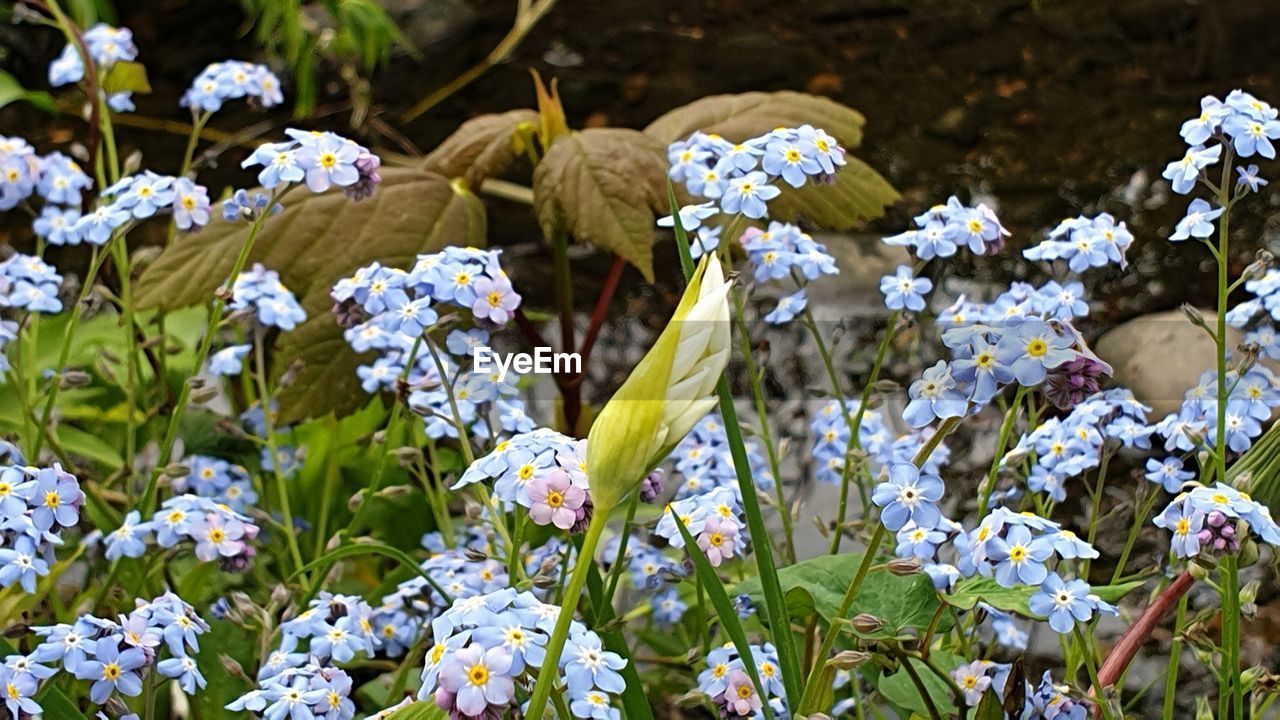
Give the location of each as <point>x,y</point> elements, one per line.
<point>478,675</point>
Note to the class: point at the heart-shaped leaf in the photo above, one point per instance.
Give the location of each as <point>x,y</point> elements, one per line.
<point>603,186</point>
<point>748,115</point>
<point>859,192</point>
<point>314,242</point>
<point>481,147</point>
<point>819,584</point>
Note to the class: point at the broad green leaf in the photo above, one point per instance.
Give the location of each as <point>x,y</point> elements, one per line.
<point>603,186</point>
<point>859,192</point>
<point>481,147</point>
<point>126,76</point>
<point>12,91</point>
<point>899,689</point>
<point>224,639</point>
<point>56,704</point>
<point>970,591</point>
<point>819,584</point>
<point>418,711</point>
<point>748,115</point>
<point>313,243</point>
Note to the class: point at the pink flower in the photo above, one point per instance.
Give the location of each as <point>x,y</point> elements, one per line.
<point>495,300</point>
<point>717,539</point>
<point>740,696</point>
<point>555,499</point>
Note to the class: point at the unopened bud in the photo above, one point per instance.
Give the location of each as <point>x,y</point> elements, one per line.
<point>544,582</point>
<point>866,623</point>
<point>394,491</point>
<point>16,631</point>
<point>74,379</point>
<point>177,470</point>
<point>356,500</point>
<point>196,382</point>
<point>279,595</point>
<point>199,397</point>
<point>904,566</point>
<point>474,555</point>
<point>849,659</point>
<point>232,666</point>
<point>407,456</point>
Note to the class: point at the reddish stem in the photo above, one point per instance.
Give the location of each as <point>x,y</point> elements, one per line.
<point>602,308</point>
<point>1127,647</point>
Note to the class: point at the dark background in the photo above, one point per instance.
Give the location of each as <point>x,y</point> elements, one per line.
<point>1050,108</point>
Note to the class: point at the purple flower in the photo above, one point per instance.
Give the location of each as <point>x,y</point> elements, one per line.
<point>476,678</point>
<point>555,500</point>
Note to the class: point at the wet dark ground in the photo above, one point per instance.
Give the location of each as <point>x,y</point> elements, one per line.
<point>1050,108</point>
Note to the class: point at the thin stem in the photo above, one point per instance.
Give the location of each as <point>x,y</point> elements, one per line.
<point>1091,666</point>
<point>217,309</point>
<point>264,398</point>
<point>77,311</point>
<point>1006,429</point>
<point>1231,635</point>
<point>527,16</point>
<point>572,592</point>
<point>1175,652</point>
<point>766,435</point>
<point>1139,515</point>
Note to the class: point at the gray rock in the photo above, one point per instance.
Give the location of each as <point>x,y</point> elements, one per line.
<point>855,292</point>
<point>1159,356</point>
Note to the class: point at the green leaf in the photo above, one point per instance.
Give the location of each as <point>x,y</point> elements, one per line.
<point>819,584</point>
<point>126,76</point>
<point>314,242</point>
<point>970,591</point>
<point>989,707</point>
<point>725,613</point>
<point>12,91</point>
<point>223,639</point>
<point>899,689</point>
<point>418,711</point>
<point>56,704</point>
<point>603,186</point>
<point>747,115</point>
<point>859,192</point>
<point>481,147</point>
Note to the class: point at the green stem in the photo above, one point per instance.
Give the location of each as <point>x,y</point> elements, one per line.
<point>1091,666</point>
<point>264,398</point>
<point>77,311</point>
<point>572,592</point>
<point>120,257</point>
<point>217,309</point>
<point>1139,515</point>
<point>1224,200</point>
<point>1231,637</point>
<point>1175,652</point>
<point>754,375</point>
<point>811,689</point>
<point>1006,430</point>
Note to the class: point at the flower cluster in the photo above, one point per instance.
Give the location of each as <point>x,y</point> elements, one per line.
<point>320,160</point>
<point>301,690</point>
<point>28,283</point>
<point>1065,448</point>
<point>783,252</point>
<point>230,80</point>
<point>877,444</point>
<point>730,687</point>
<point>115,656</point>
<point>218,532</point>
<point>218,480</point>
<point>740,177</point>
<point>36,504</point>
<point>485,646</point>
<point>106,46</point>
<point>542,471</point>
<point>712,518</point>
<point>388,310</point>
<point>1084,243</point>
<point>1214,520</point>
<point>943,229</point>
<point>260,293</point>
<point>1250,399</point>
<point>703,463</point>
